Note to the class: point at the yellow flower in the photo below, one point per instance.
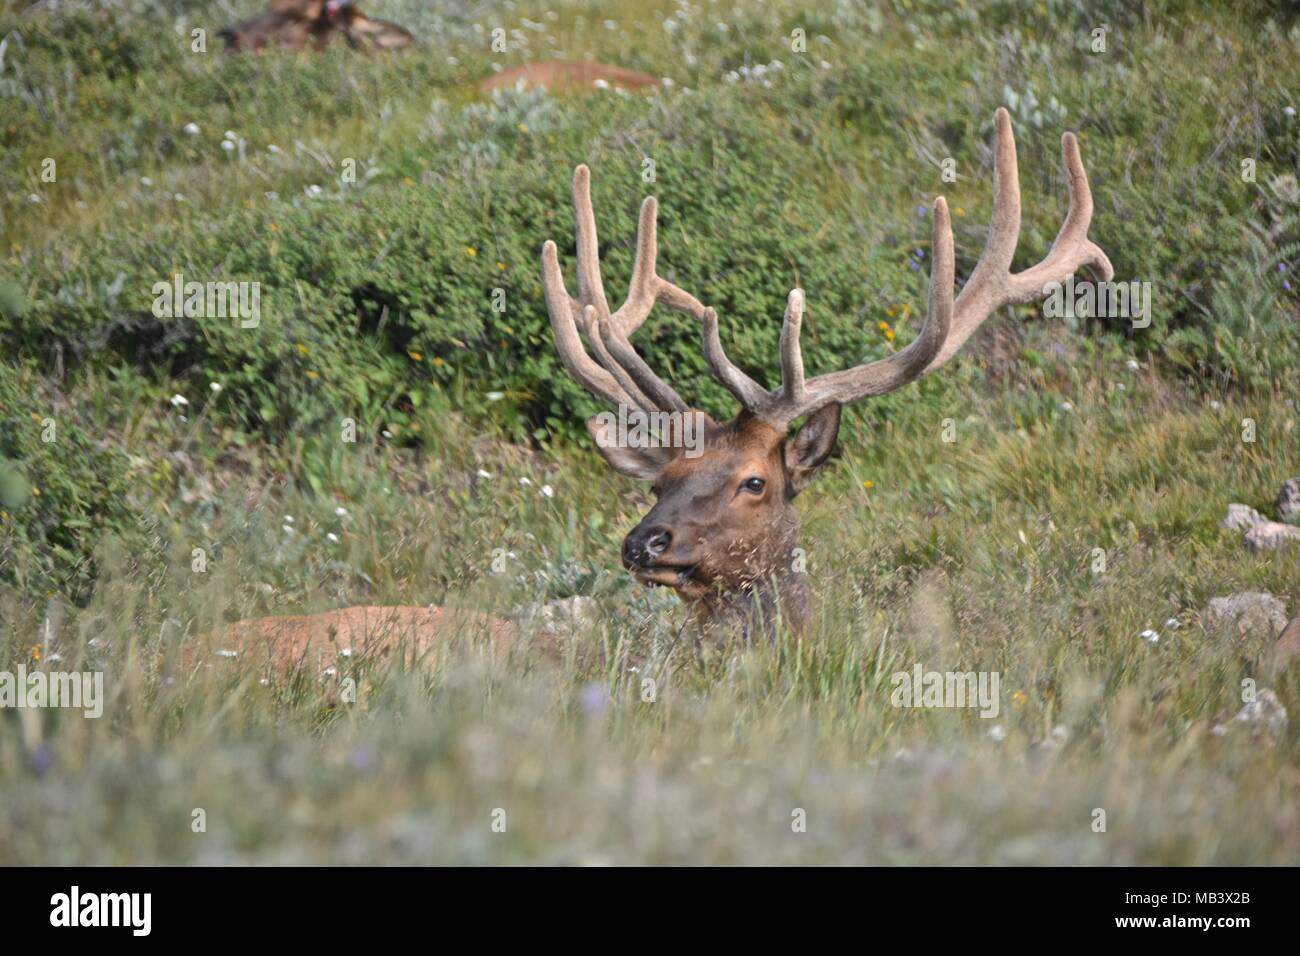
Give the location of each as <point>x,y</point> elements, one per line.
<point>302,349</point>
<point>313,375</point>
<point>959,211</point>
<point>892,311</point>
<point>883,325</point>
<point>1019,697</point>
<point>36,652</point>
<point>868,484</point>
<point>36,492</point>
<point>890,335</point>
<point>501,266</point>
<point>416,356</point>
<point>471,251</point>
<point>437,361</point>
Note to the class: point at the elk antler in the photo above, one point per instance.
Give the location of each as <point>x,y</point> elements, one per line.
<point>618,374</point>
<point>948,325</point>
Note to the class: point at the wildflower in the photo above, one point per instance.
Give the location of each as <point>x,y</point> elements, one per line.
<point>495,396</point>
<point>882,325</point>
<point>485,475</point>
<point>548,491</point>
<point>341,512</point>
<point>227,145</point>
<point>386,433</point>
<point>1289,110</point>
<point>288,519</point>
<point>272,148</point>
<point>1150,636</point>
<point>230,135</point>
<point>889,334</point>
<point>302,349</point>
<point>525,481</point>
<point>313,375</point>
<point>1067,407</point>
<point>179,400</point>
<point>146,181</point>
<point>471,251</point>
<point>192,129</point>
<point>215,387</point>
<point>1132,365</point>
<point>868,484</point>
<point>332,538</point>
<point>313,190</point>
<point>415,356</point>
<point>996,733</point>
<point>287,529</point>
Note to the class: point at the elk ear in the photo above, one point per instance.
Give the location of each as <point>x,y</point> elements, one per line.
<point>626,459</point>
<point>810,446</point>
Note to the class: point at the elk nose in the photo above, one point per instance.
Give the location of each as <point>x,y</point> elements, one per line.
<point>643,546</point>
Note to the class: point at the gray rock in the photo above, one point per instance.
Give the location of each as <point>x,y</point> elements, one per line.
<point>1271,535</point>
<point>1242,518</point>
<point>1265,712</point>
<point>1250,614</point>
<point>1288,501</point>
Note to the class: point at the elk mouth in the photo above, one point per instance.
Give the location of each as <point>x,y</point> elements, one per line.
<point>664,575</point>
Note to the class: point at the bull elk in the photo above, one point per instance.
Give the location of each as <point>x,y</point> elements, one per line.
<point>723,529</point>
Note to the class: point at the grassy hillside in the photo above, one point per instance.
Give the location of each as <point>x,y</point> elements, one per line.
<point>775,166</point>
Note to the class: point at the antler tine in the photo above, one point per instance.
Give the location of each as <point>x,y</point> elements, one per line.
<point>591,328</point>
<point>748,392</point>
<point>568,344</point>
<point>618,375</point>
<point>992,285</point>
<point>792,381</point>
<point>659,391</point>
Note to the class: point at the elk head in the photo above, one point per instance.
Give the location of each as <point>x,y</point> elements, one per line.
<point>724,528</point>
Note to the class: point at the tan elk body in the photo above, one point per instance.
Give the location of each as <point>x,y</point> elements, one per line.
<point>724,529</point>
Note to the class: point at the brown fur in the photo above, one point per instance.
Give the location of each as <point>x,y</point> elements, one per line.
<point>733,552</point>
<point>567,76</point>
<point>314,642</point>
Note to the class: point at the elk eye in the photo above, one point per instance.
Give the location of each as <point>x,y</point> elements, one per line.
<point>755,485</point>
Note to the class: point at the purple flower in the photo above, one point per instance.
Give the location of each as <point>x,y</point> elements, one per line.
<point>1281,267</point>
<point>920,253</point>
<point>920,212</point>
<point>594,699</point>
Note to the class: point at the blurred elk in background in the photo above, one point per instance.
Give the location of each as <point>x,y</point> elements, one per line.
<point>299,24</point>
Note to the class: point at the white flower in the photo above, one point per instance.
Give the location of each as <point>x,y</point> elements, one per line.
<point>192,129</point>
<point>341,512</point>
<point>1172,623</point>
<point>178,197</point>
<point>386,433</point>
<point>1150,636</point>
<point>146,181</point>
<point>525,481</point>
<point>215,386</point>
<point>332,538</point>
<point>313,190</point>
<point>288,519</point>
<point>548,491</point>
<point>1132,365</point>
<point>230,134</point>
<point>495,396</point>
<point>997,733</point>
<point>179,400</point>
<point>345,652</point>
<point>1289,110</point>
<point>228,654</point>
<point>287,529</point>
<point>1066,407</point>
<point>227,145</point>
<point>1215,404</point>
<point>601,84</point>
<point>33,198</point>
<point>272,148</point>
<point>485,475</point>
